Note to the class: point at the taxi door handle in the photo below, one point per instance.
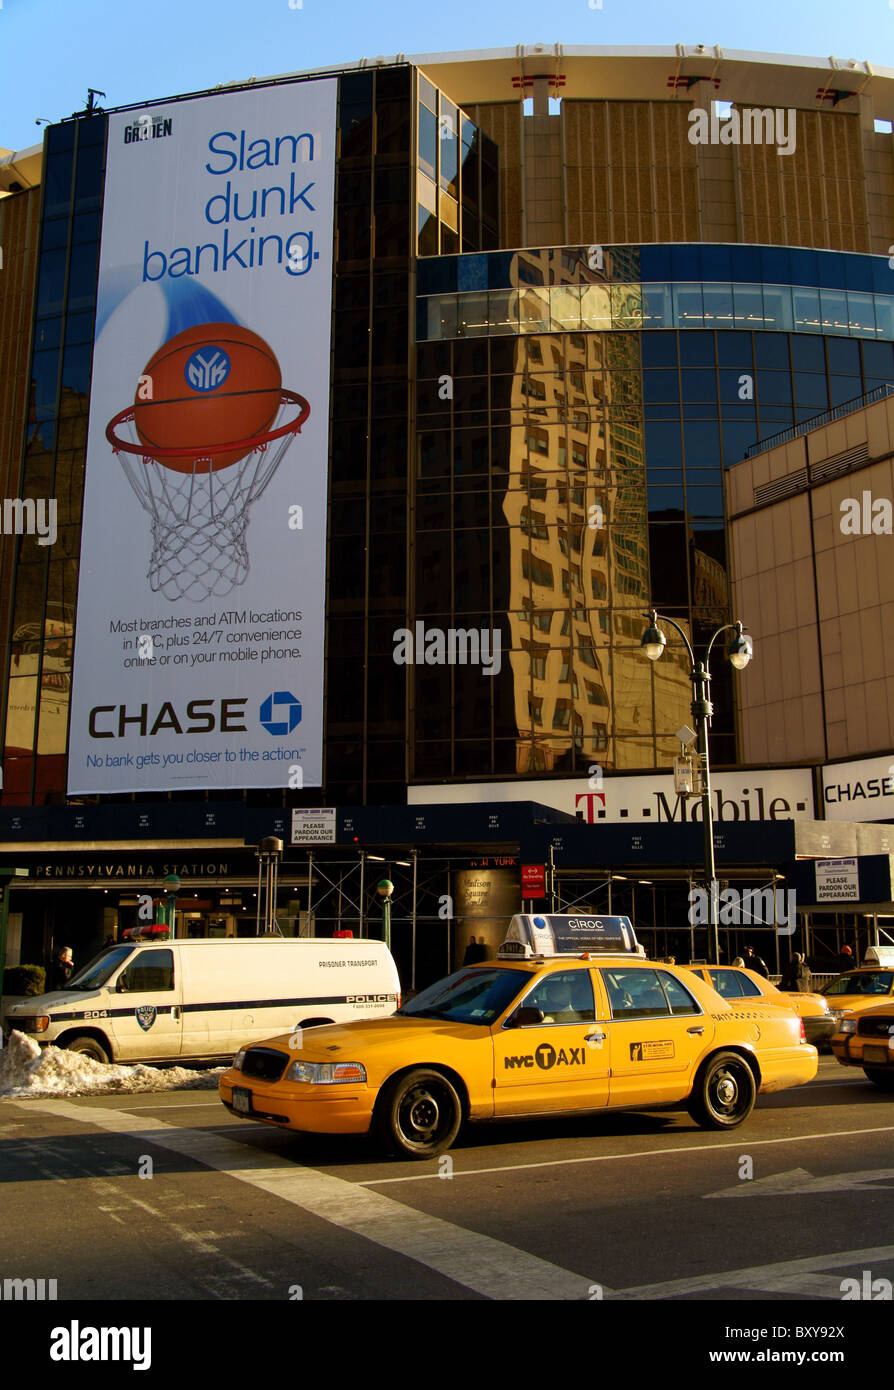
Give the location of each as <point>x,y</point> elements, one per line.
<point>596,1037</point>
<point>696,1030</point>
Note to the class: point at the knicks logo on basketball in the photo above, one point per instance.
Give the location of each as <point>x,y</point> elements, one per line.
<point>207,368</point>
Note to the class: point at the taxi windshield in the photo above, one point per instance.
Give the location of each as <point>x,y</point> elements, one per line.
<point>865,982</point>
<point>468,996</point>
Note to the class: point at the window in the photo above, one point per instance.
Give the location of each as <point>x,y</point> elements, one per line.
<point>534,524</point>
<point>726,983</point>
<point>562,714</point>
<point>538,571</point>
<point>637,993</point>
<point>565,996</point>
<point>678,996</point>
<point>148,973</point>
<point>535,709</point>
<point>747,986</point>
<point>538,441</point>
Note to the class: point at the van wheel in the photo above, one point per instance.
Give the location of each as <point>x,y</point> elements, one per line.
<point>880,1077</point>
<point>88,1047</point>
<point>419,1114</point>
<point>724,1092</point>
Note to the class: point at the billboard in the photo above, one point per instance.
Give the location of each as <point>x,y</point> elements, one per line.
<point>759,794</point>
<point>859,791</point>
<point>200,626</point>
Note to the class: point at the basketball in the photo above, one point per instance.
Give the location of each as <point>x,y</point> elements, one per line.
<point>211,384</point>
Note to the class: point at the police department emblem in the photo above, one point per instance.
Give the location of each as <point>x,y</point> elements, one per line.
<point>146,1016</point>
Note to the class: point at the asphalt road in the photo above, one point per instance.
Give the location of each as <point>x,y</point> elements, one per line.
<point>171,1194</point>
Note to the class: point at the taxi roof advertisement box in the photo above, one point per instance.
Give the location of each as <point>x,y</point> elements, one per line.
<point>199,645</point>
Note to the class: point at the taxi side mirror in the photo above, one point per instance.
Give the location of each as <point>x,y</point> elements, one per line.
<point>525,1017</point>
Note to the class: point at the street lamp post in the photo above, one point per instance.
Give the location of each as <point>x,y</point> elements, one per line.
<point>385,888</point>
<point>740,650</point>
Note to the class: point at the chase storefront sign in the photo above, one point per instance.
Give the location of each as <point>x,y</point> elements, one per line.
<point>859,791</point>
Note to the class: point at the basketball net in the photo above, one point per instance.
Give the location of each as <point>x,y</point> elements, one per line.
<point>199,517</point>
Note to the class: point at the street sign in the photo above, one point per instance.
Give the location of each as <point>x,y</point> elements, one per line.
<point>533,880</point>
<point>313,827</point>
<point>837,881</point>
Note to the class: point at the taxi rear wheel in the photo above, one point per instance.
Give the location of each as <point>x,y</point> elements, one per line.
<point>884,1079</point>
<point>420,1114</point>
<point>724,1092</point>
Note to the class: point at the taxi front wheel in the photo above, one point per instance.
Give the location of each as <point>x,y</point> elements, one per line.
<point>724,1092</point>
<point>419,1114</point>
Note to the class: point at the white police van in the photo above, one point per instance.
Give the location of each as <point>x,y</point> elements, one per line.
<point>202,1000</point>
<point>565,933</point>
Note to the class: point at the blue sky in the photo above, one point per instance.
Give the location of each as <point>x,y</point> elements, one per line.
<point>52,50</point>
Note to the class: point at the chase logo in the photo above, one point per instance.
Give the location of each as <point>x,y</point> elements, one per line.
<point>280,726</point>
<point>207,368</point>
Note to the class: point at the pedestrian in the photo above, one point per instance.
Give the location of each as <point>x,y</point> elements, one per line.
<point>845,959</point>
<point>480,950</point>
<point>60,969</point>
<point>739,962</point>
<point>471,952</point>
<point>755,963</point>
<point>795,978</point>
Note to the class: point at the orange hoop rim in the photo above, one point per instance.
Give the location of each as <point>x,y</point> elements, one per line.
<point>208,452</point>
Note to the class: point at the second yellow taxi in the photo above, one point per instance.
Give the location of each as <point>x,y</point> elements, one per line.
<point>525,1037</point>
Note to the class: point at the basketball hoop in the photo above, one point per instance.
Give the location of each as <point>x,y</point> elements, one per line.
<point>199,500</point>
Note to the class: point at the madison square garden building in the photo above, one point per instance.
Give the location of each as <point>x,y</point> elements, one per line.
<point>537,303</point>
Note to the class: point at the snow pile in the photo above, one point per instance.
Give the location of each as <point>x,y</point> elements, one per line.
<point>27,1070</point>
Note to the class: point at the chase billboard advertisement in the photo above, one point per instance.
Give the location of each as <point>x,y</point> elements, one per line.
<point>199,643</point>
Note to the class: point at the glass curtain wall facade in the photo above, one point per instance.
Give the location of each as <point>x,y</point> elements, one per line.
<point>46,577</point>
<point>566,479</point>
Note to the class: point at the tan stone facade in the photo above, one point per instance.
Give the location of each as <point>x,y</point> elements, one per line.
<point>819,600</point>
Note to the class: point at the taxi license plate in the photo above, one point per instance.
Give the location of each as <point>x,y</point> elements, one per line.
<point>875,1054</point>
<point>242,1100</point>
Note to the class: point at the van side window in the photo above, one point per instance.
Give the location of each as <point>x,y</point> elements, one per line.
<point>149,972</point>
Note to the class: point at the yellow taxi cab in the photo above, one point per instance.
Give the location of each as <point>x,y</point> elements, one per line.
<point>859,990</point>
<point>740,986</point>
<point>525,1036</point>
<point>866,1039</point>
